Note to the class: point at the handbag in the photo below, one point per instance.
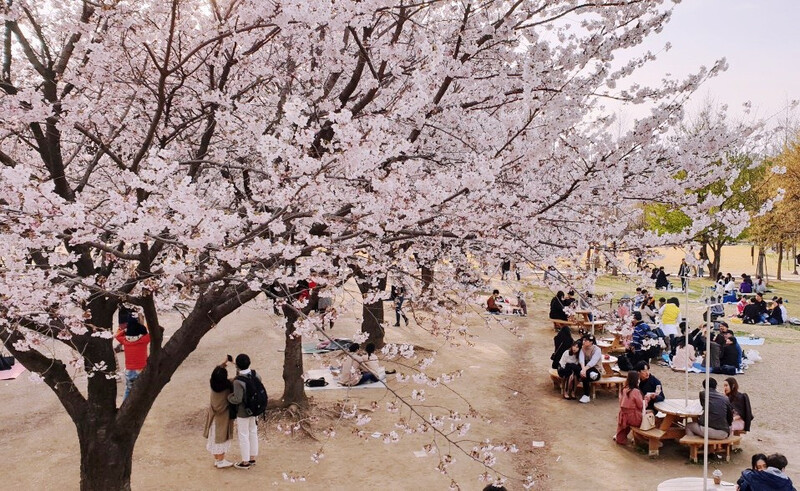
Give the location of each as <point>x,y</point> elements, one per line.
<point>316,382</point>
<point>648,419</point>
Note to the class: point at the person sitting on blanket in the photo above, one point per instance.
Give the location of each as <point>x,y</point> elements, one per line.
<point>649,385</point>
<point>492,303</point>
<point>752,313</point>
<point>719,338</point>
<point>370,368</point>
<point>684,356</point>
<point>351,367</point>
<point>729,358</point>
<point>776,316</point>
<point>720,414</point>
<point>740,306</point>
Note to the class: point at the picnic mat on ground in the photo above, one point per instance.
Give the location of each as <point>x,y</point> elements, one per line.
<point>748,341</point>
<point>13,372</point>
<point>333,383</point>
<point>316,348</point>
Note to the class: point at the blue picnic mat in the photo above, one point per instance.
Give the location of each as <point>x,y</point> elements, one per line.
<point>748,341</point>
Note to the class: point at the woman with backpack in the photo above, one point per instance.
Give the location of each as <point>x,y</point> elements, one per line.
<point>219,425</point>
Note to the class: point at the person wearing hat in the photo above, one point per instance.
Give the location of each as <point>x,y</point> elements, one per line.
<point>591,369</point>
<point>649,385</point>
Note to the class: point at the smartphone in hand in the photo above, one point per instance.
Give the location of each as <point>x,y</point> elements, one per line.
<point>230,358</point>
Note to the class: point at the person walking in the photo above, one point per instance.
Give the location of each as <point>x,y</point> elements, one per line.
<point>399,298</point>
<point>683,273</point>
<point>247,430</point>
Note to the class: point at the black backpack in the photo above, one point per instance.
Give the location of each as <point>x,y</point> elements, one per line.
<point>255,395</point>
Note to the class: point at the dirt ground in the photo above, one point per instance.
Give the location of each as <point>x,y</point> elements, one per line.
<point>504,379</point>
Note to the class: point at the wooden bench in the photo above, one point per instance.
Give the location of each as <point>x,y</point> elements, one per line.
<point>652,437</point>
<point>558,324</point>
<point>605,382</point>
<point>695,443</point>
<point>555,379</point>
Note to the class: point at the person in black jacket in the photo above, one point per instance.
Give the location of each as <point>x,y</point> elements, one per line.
<point>752,313</point>
<point>742,412</point>
<point>557,307</point>
<point>561,341</point>
<point>649,385</point>
<point>661,279</point>
<point>720,414</point>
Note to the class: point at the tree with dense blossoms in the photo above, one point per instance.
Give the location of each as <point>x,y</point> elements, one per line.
<point>192,153</point>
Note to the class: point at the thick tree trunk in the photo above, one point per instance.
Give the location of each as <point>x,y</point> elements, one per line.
<point>293,388</point>
<point>106,457</point>
<point>373,317</point>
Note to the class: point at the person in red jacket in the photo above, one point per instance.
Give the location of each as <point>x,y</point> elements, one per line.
<point>133,335</point>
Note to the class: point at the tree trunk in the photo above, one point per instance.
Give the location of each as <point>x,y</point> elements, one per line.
<point>761,269</point>
<point>427,278</point>
<point>106,457</point>
<point>794,258</point>
<point>373,318</point>
<point>780,259</point>
<point>293,387</point>
<point>614,269</point>
<point>714,266</point>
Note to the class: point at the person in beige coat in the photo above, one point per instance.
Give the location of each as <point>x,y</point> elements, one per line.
<point>219,425</point>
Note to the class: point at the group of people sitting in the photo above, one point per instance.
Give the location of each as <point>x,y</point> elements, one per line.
<point>577,361</point>
<point>725,354</point>
<point>728,412</point>
<point>497,304</point>
<point>756,311</point>
<point>726,286</point>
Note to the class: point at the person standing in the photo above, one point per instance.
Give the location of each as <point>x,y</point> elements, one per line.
<point>505,268</point>
<point>219,425</point>
<point>683,273</point>
<point>135,338</point>
<point>399,298</point>
<point>247,429</point>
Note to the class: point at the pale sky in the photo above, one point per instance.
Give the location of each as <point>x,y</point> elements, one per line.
<point>760,40</point>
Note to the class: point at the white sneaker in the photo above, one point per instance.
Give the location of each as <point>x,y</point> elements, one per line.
<point>221,464</point>
<point>584,399</point>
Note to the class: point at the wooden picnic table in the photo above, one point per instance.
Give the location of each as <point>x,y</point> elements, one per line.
<point>678,409</point>
<point>616,343</point>
<point>692,484</point>
<point>675,411</point>
<point>608,362</point>
<point>594,324</point>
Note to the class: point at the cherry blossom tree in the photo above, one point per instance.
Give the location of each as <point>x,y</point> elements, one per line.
<point>187,154</point>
